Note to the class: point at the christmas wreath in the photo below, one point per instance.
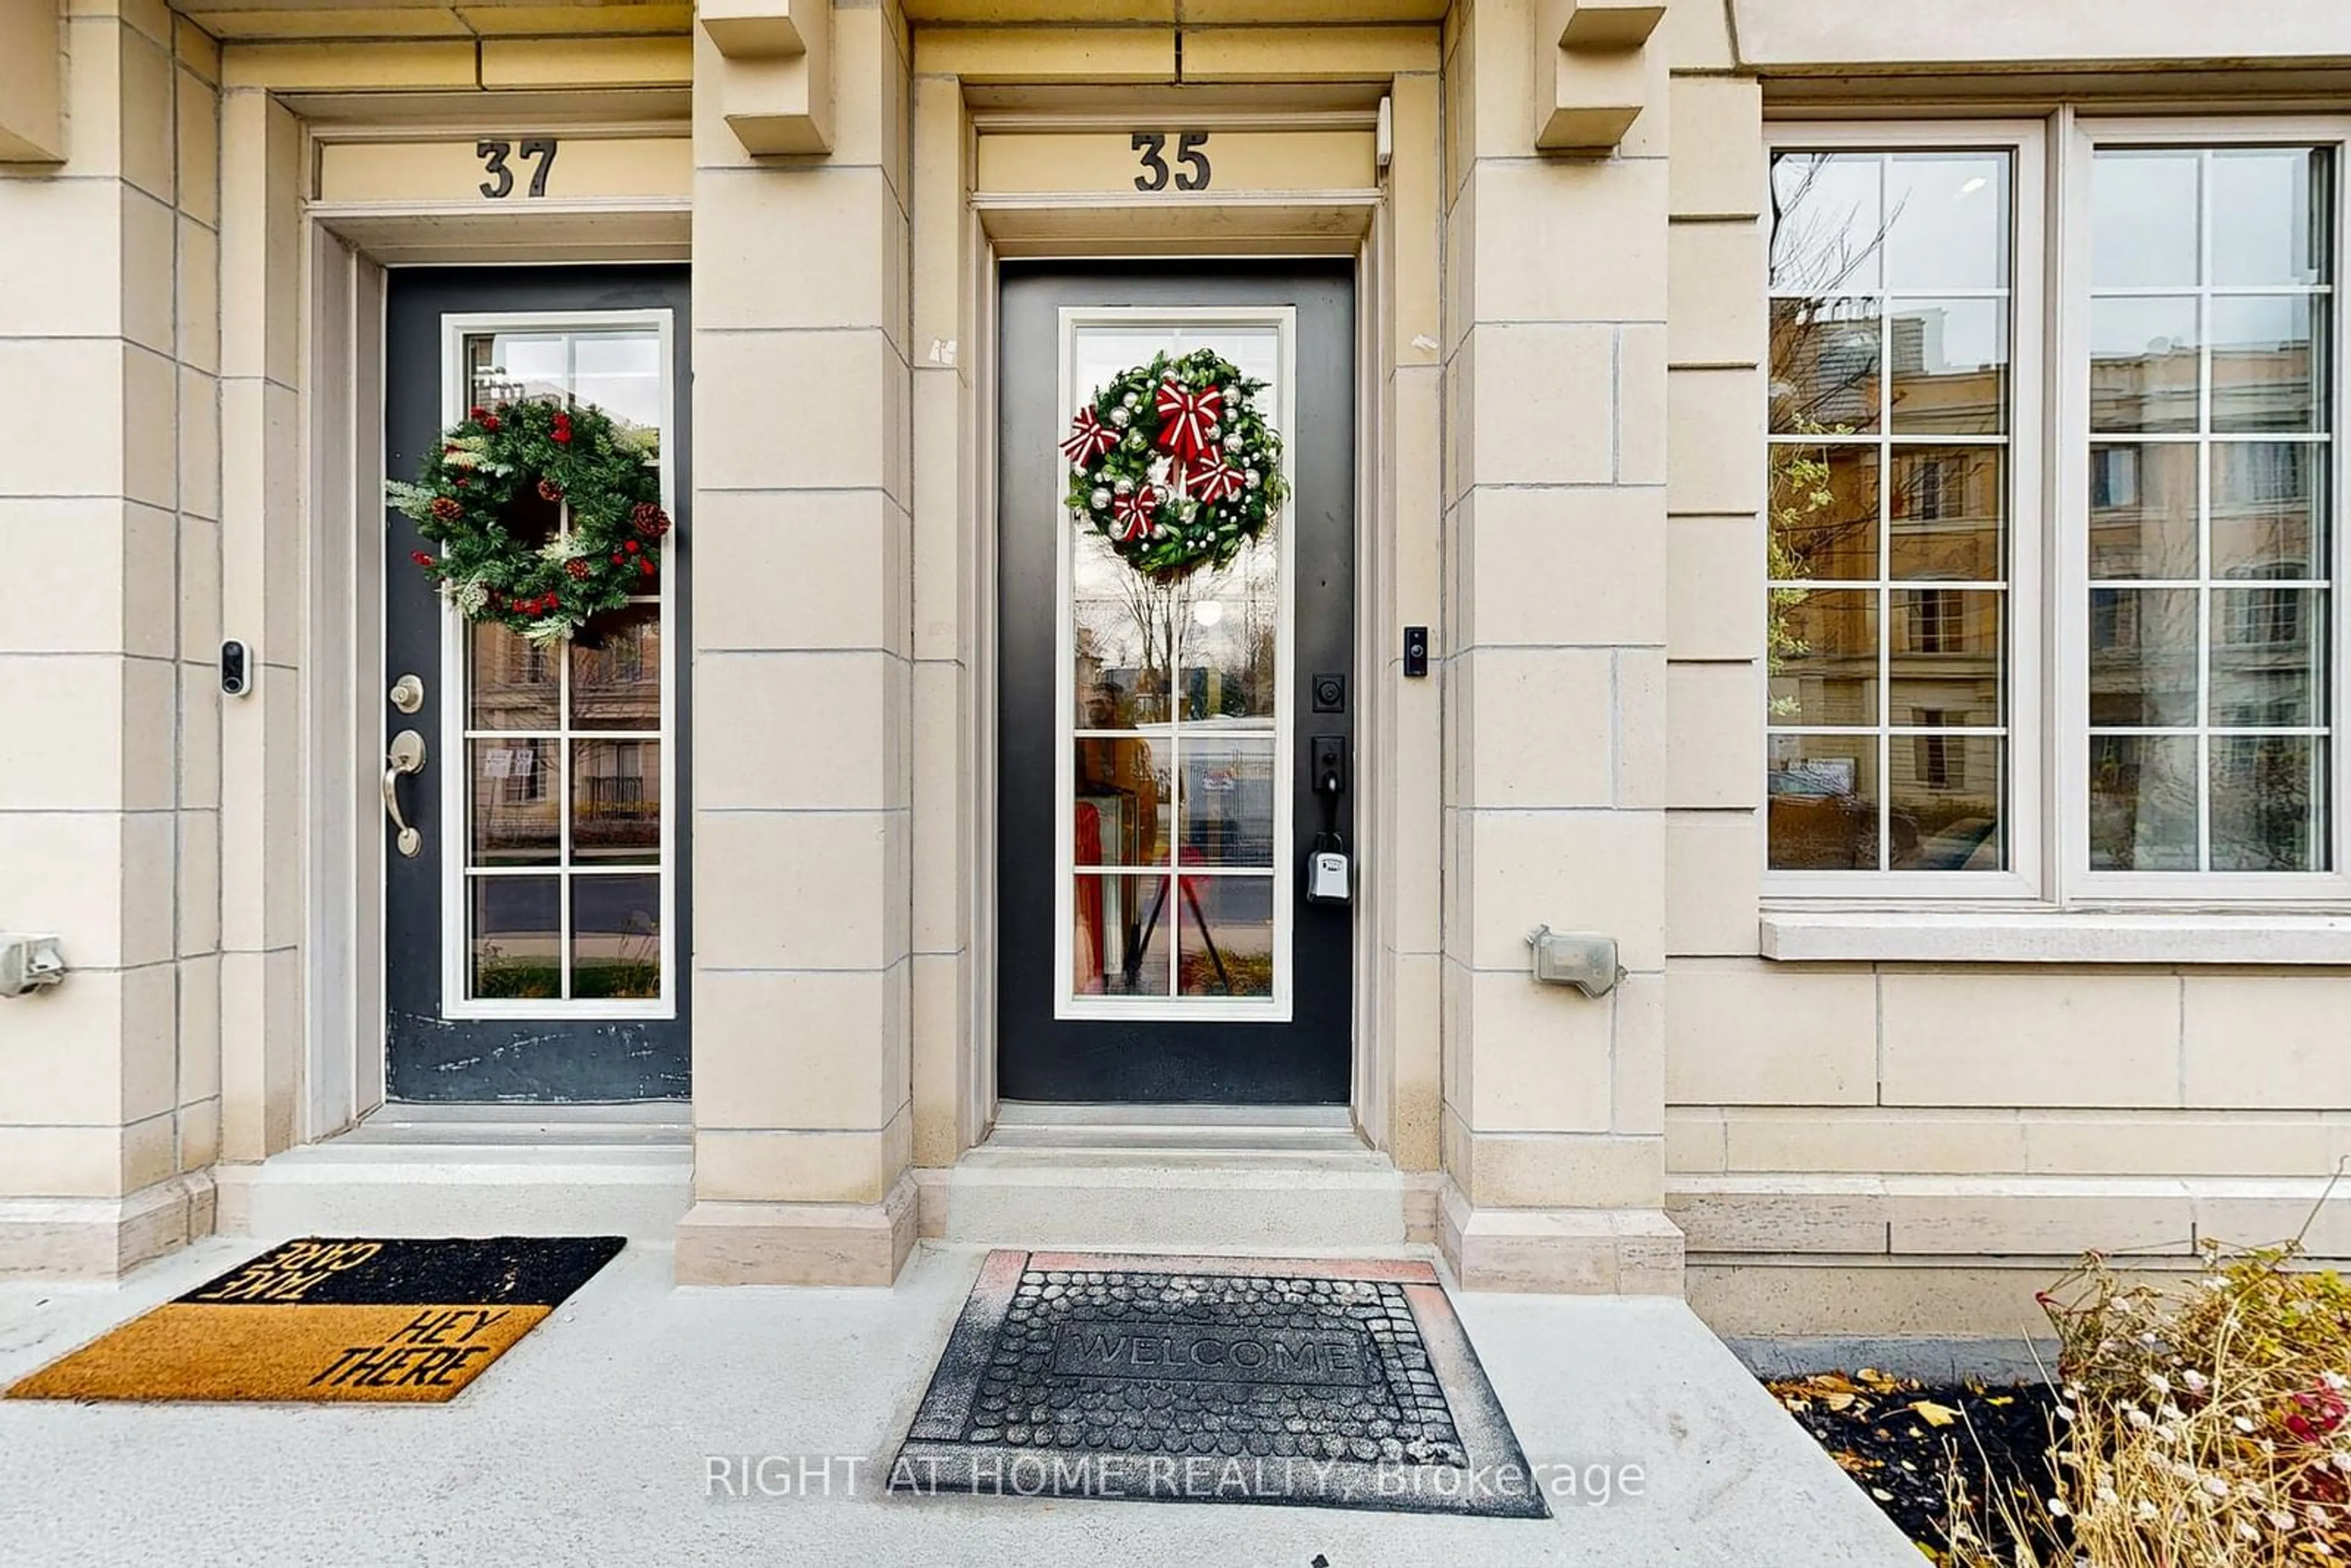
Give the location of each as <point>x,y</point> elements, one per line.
<point>474,498</point>
<point>1174,464</point>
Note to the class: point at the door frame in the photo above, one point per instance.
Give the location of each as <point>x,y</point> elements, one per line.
<point>336,454</point>
<point>1359,225</point>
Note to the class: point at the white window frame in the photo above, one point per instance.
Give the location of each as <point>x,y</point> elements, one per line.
<point>2026,804</point>
<point>455,756</point>
<point>2077,138</point>
<point>1067,1002</point>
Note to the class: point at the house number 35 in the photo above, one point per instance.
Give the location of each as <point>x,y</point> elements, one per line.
<point>501,182</point>
<point>1191,151</point>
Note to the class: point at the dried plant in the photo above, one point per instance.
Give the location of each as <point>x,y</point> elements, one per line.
<point>2204,1422</point>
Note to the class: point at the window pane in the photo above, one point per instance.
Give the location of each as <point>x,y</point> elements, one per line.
<point>1229,649</point>
<point>1949,509</point>
<point>1124,796</point>
<point>616,671</point>
<point>616,814</point>
<point>515,945</point>
<point>1226,939</point>
<point>1121,932</point>
<point>1945,663</point>
<point>1824,513</point>
<point>2266,644</point>
<point>1825,366</point>
<point>1823,802</point>
<point>517,794</point>
<point>1945,806</point>
<point>2264,373</point>
<point>2143,207</point>
<point>2143,510</point>
<point>2143,644</point>
<point>2269,802</point>
<point>1950,367</point>
<point>1124,629</point>
<point>1825,228</point>
<point>1825,658</point>
<point>512,681</point>
<point>1228,800</point>
<point>1946,221</point>
<point>2268,506</point>
<point>2269,215</point>
<point>2143,363</point>
<point>2143,802</point>
<point>616,937</point>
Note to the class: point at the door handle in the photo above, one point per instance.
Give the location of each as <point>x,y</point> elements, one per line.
<point>406,756</point>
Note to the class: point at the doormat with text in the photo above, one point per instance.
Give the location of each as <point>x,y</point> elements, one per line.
<point>1338,1383</point>
<point>330,1321</point>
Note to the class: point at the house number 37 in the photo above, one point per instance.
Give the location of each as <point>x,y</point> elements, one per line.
<point>1191,151</point>
<point>500,185</point>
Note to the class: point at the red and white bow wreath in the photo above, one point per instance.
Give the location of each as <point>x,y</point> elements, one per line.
<point>1186,419</point>
<point>1218,481</point>
<point>1130,513</point>
<point>1089,437</point>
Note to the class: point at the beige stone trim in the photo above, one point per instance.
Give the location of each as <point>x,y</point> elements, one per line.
<point>1829,35</point>
<point>387,67</point>
<point>246,20</point>
<point>587,62</point>
<point>982,55</point>
<point>103,1238</point>
<point>1577,1251</point>
<point>723,1243</point>
<point>1306,53</point>
<point>32,73</point>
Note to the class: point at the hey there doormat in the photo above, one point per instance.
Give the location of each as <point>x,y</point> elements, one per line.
<point>1340,1384</point>
<point>330,1321</point>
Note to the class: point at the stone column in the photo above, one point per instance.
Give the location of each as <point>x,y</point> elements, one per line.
<point>1554,668</point>
<point>799,548</point>
<point>109,1099</point>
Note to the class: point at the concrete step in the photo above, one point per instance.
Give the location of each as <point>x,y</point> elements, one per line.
<point>1152,1194</point>
<point>469,1176</point>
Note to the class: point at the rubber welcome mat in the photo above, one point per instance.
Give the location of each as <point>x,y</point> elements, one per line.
<point>1343,1383</point>
<point>321,1321</point>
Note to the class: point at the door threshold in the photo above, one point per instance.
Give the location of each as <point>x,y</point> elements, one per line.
<point>504,1113</point>
<point>1058,1113</point>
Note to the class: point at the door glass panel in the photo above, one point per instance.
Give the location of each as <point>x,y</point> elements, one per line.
<point>616,683</point>
<point>615,936</point>
<point>517,811</point>
<point>1124,796</point>
<point>516,948</point>
<point>1177,728</point>
<point>1228,800</point>
<point>1121,931</point>
<point>513,682</point>
<point>1226,936</point>
<point>568,767</point>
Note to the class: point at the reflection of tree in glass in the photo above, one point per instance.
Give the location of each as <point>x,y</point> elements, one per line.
<point>1801,529</point>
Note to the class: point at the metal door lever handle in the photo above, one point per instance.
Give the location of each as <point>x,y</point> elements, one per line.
<point>406,756</point>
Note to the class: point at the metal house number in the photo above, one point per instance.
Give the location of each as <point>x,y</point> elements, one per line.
<point>1191,151</point>
<point>501,182</point>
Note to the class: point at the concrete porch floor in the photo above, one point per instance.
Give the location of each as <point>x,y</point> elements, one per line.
<point>591,1442</point>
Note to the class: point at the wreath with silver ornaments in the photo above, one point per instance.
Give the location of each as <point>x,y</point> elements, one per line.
<point>1176,465</point>
<point>473,497</point>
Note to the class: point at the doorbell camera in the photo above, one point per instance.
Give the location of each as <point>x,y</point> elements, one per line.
<point>236,668</point>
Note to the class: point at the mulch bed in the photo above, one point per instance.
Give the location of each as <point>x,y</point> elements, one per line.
<point>1902,1441</point>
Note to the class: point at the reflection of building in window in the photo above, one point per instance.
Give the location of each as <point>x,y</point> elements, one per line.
<point>1935,621</point>
<point>2113,477</point>
<point>1940,761</point>
<point>2114,619</point>
<point>2262,616</point>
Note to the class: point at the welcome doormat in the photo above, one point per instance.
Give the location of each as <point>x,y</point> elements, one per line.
<point>329,1322</point>
<point>1340,1384</point>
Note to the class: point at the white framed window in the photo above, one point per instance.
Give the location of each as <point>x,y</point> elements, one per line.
<point>1905,510</point>
<point>559,898</point>
<point>2199,348</point>
<point>2052,621</point>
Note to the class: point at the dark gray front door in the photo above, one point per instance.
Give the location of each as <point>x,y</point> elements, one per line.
<point>1160,743</point>
<point>536,942</point>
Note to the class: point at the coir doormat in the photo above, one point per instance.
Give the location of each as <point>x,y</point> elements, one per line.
<point>1340,1384</point>
<point>319,1320</point>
